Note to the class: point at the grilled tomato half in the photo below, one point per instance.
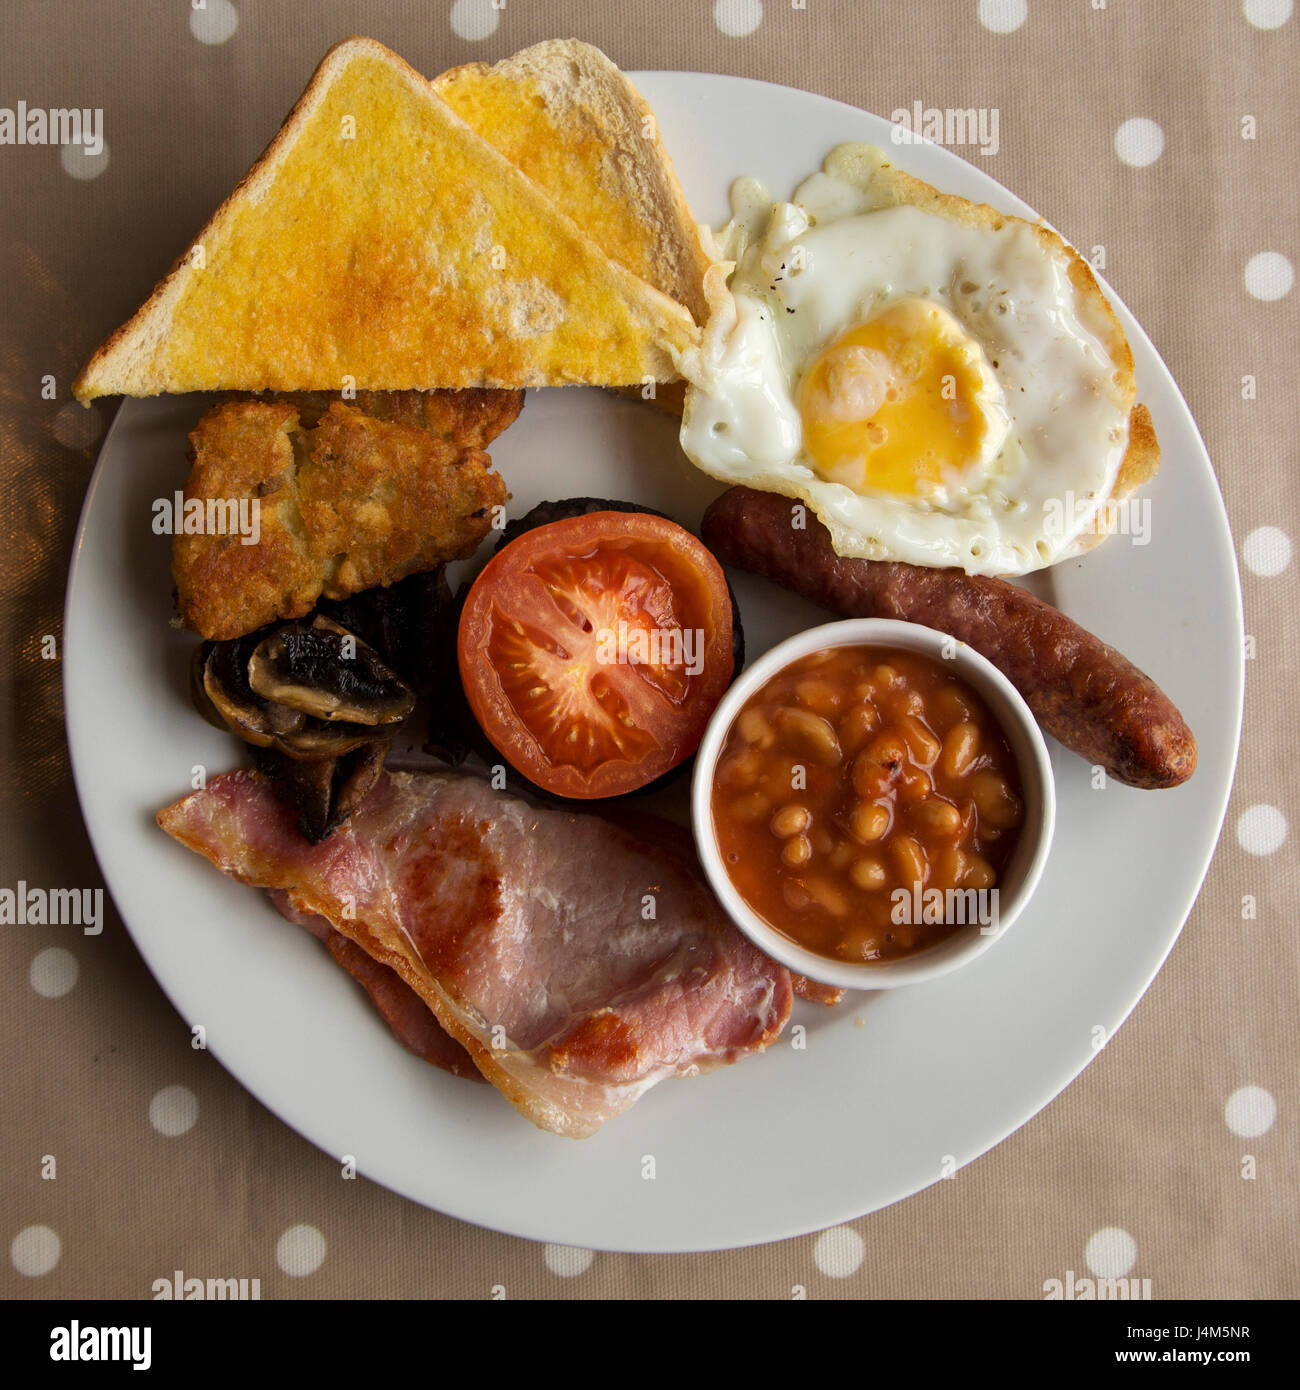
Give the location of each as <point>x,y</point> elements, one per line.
<point>594,649</point>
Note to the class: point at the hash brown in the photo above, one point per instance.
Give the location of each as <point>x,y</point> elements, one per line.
<point>469,419</point>
<point>348,504</point>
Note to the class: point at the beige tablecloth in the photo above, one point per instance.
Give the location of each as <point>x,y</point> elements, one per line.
<point>1166,133</point>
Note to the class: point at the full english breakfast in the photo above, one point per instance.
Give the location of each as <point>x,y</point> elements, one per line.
<point>911,400</point>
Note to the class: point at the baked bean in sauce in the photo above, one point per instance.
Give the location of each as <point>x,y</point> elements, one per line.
<point>855,772</point>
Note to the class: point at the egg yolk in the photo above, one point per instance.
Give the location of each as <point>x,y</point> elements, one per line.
<point>901,403</point>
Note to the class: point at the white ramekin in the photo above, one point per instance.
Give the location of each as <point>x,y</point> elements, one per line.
<point>1021,875</point>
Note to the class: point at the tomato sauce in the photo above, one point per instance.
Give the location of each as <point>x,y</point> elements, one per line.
<point>866,803</point>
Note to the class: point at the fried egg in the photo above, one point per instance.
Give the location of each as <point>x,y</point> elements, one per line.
<point>942,383</point>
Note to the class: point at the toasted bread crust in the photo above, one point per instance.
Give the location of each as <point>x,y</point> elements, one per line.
<point>379,243</point>
<point>564,114</point>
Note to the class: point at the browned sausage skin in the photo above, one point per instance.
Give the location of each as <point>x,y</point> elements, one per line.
<point>1083,692</point>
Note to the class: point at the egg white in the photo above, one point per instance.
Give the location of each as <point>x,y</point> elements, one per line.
<point>837,255</point>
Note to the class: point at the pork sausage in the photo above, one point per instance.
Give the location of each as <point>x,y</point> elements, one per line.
<point>1083,692</point>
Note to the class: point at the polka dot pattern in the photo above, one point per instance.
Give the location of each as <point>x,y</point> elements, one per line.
<point>1229,1094</point>
<point>838,1252</point>
<point>738,18</point>
<point>1261,830</point>
<point>34,1251</point>
<point>79,164</point>
<point>53,972</point>
<point>1003,16</point>
<point>1250,1112</point>
<point>174,1111</point>
<point>474,19</point>
<point>76,427</point>
<point>1269,275</point>
<point>1111,1253</point>
<point>567,1261</point>
<point>215,23</point>
<point>1139,142</point>
<point>300,1251</point>
<point>1266,551</point>
<point>1267,14</point>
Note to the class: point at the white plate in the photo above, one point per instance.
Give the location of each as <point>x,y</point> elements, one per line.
<point>890,1089</point>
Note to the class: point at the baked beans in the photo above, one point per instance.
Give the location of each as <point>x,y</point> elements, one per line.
<point>853,773</point>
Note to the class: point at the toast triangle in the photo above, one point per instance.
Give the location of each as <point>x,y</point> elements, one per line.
<point>564,114</point>
<point>380,243</point>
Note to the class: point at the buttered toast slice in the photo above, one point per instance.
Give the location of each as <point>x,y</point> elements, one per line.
<point>565,115</point>
<point>381,243</point>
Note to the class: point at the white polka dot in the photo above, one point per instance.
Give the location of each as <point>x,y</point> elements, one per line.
<point>839,1252</point>
<point>1002,16</point>
<point>80,165</point>
<point>1250,1112</point>
<point>34,1251</point>
<point>1267,14</point>
<point>1269,275</point>
<point>173,1111</point>
<point>76,427</point>
<point>474,19</point>
<point>1266,551</point>
<point>1111,1253</point>
<point>568,1260</point>
<point>1139,142</point>
<point>738,17</point>
<point>53,972</point>
<point>215,22</point>
<point>1261,829</point>
<point>300,1251</point>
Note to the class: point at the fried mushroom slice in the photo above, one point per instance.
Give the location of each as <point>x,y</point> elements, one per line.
<point>324,791</point>
<point>320,701</point>
<point>324,671</point>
